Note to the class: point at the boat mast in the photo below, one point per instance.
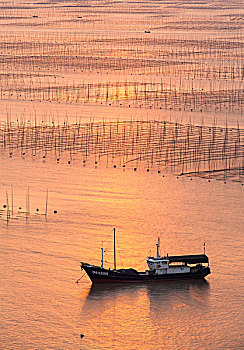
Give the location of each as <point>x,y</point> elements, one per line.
<point>102,255</point>
<point>158,245</point>
<point>114,252</point>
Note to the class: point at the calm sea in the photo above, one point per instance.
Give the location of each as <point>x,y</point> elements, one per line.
<point>118,60</point>
<point>43,308</point>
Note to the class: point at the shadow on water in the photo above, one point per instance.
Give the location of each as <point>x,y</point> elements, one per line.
<point>102,289</point>
<point>159,295</point>
<point>155,309</point>
<point>178,295</point>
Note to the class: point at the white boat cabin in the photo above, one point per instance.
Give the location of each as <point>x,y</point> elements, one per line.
<point>161,266</point>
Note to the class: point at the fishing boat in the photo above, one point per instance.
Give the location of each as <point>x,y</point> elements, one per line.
<point>159,269</point>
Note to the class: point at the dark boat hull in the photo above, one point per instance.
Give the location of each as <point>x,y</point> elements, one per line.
<point>101,275</point>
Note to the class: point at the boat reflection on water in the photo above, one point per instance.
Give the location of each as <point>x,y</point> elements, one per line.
<point>178,295</point>
<point>161,295</point>
<point>126,313</point>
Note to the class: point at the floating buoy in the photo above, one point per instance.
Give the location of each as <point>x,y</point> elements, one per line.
<point>55,211</point>
<point>37,209</point>
<point>159,171</point>
<point>134,169</point>
<point>82,336</point>
<point>114,166</point>
<point>4,206</point>
<point>123,166</point>
<point>147,169</point>
<point>69,162</point>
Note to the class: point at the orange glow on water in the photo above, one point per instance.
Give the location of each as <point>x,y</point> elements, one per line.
<point>69,63</point>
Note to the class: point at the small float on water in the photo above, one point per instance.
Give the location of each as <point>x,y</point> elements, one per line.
<point>159,269</point>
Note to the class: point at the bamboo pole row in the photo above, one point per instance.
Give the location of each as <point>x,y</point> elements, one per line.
<point>137,94</point>
<point>181,149</point>
<point>202,58</point>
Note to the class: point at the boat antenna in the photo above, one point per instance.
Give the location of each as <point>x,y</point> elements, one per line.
<point>114,252</point>
<point>204,247</point>
<point>158,246</point>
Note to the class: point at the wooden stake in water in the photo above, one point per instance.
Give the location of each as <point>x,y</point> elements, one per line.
<point>8,212</point>
<point>46,203</point>
<point>27,212</point>
<point>12,195</point>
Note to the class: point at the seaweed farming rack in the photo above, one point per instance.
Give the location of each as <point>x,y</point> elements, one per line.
<point>210,152</point>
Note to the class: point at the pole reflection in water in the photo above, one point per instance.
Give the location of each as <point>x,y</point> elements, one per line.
<point>156,314</point>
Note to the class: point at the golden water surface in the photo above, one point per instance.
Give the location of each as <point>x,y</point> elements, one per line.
<point>82,62</point>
